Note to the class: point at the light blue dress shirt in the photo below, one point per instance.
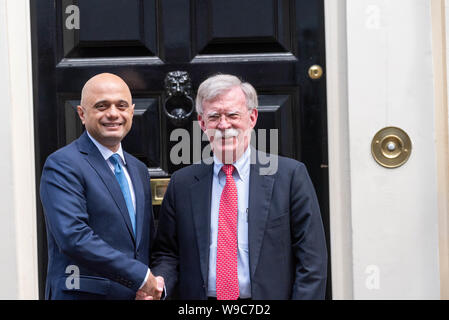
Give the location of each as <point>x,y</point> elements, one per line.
<point>241,177</point>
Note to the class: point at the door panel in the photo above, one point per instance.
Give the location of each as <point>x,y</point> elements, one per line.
<point>109,28</point>
<point>269,43</point>
<point>258,26</point>
<point>276,111</point>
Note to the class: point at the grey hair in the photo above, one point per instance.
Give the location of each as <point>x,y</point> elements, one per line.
<point>218,84</point>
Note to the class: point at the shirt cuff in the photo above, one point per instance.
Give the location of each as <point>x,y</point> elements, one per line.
<point>145,280</point>
<point>164,293</point>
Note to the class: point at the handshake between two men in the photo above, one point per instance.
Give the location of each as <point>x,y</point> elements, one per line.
<point>96,200</point>
<point>152,289</point>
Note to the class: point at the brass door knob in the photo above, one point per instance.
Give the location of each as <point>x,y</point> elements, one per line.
<point>315,72</point>
<point>391,147</point>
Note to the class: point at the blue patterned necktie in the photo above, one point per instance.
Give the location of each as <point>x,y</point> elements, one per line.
<point>121,178</point>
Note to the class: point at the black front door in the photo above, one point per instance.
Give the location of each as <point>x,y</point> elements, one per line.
<point>269,43</point>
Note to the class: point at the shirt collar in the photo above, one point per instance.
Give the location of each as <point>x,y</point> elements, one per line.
<point>105,152</point>
<point>241,165</point>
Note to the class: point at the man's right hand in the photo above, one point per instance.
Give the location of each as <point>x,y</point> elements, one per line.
<point>152,289</point>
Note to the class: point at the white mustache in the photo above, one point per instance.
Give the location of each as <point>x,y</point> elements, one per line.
<point>228,133</point>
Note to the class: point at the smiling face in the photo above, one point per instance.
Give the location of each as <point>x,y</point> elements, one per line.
<point>106,109</point>
<point>228,123</point>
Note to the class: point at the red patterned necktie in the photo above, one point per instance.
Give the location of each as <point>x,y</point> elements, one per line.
<point>227,276</point>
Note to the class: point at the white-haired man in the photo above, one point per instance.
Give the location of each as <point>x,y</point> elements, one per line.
<point>228,232</point>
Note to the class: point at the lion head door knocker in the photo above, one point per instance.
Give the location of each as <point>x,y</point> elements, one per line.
<point>179,104</point>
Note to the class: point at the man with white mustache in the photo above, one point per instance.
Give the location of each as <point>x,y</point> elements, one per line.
<point>226,231</point>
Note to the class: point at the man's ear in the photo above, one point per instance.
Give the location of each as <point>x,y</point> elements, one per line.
<point>80,111</point>
<point>253,117</point>
<point>201,122</point>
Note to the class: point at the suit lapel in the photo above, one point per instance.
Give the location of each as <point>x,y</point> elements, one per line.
<point>98,163</point>
<point>260,193</point>
<point>200,193</point>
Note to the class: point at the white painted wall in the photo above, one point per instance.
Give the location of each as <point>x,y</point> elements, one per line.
<point>18,239</point>
<point>446,27</point>
<point>8,245</point>
<point>439,53</point>
<point>393,212</point>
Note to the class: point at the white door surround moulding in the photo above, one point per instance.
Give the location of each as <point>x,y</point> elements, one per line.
<point>19,268</point>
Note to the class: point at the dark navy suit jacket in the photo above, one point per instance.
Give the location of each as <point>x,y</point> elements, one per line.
<point>88,225</point>
<point>287,247</point>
